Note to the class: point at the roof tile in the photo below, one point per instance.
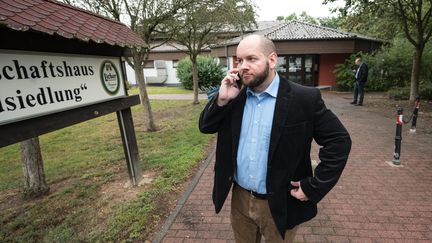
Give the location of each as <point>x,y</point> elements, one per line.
<point>61,15</point>
<point>17,26</point>
<point>111,36</point>
<point>55,21</point>
<point>40,28</point>
<point>85,32</point>
<point>82,37</point>
<point>71,26</point>
<point>92,23</point>
<point>79,19</point>
<point>50,16</point>
<point>41,10</point>
<point>48,25</point>
<point>52,7</point>
<point>29,3</point>
<point>29,16</point>
<point>99,35</point>
<point>65,34</point>
<point>17,4</point>
<point>11,8</point>
<point>6,13</point>
<point>73,21</point>
<point>23,21</point>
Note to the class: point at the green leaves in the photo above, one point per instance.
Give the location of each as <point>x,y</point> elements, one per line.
<point>210,72</point>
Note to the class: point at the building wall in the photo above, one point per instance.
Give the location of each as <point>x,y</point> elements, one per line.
<point>151,72</point>
<point>327,64</point>
<point>299,47</point>
<point>314,46</point>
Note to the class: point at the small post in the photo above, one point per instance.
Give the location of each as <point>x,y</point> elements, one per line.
<point>130,146</point>
<point>415,114</point>
<point>398,137</point>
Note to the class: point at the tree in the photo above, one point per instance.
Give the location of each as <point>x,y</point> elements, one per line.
<point>34,175</point>
<point>413,17</point>
<point>153,20</point>
<point>201,22</point>
<point>303,17</point>
<point>291,17</point>
<point>306,18</point>
<point>330,22</point>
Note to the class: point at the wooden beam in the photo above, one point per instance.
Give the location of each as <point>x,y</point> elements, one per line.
<point>130,145</point>
<point>18,131</point>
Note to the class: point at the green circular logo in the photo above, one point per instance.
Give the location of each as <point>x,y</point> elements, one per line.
<point>110,77</point>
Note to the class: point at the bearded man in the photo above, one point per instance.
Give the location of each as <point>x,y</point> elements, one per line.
<point>265,127</point>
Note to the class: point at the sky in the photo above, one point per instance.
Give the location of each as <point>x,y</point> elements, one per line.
<point>270,9</point>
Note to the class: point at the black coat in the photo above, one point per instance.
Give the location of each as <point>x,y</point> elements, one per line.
<point>300,116</point>
<point>362,73</point>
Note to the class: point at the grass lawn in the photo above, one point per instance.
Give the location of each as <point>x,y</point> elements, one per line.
<point>161,90</point>
<point>89,200</point>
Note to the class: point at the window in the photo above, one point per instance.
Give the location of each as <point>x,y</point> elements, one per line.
<point>149,64</point>
<point>223,61</point>
<point>175,63</point>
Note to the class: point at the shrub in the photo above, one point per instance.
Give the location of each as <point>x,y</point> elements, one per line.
<point>399,93</point>
<point>345,74</point>
<point>425,90</point>
<point>210,72</point>
<point>403,93</point>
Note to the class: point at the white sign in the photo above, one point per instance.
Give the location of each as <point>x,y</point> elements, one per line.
<point>34,84</point>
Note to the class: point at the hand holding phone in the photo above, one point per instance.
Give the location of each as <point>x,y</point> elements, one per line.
<point>230,87</point>
<point>239,81</point>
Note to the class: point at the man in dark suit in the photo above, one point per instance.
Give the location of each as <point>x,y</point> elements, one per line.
<point>361,76</point>
<point>265,129</point>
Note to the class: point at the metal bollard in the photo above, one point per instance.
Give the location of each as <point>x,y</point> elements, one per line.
<point>415,114</point>
<point>398,137</point>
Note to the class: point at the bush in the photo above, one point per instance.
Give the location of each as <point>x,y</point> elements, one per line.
<point>210,72</point>
<point>425,90</point>
<point>403,93</point>
<point>345,74</point>
<point>399,93</point>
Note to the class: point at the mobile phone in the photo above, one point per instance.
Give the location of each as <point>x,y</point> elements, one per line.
<point>239,82</point>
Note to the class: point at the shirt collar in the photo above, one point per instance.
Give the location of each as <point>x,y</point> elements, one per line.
<point>271,90</point>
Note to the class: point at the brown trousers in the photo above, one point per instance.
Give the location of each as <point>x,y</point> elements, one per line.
<point>251,219</point>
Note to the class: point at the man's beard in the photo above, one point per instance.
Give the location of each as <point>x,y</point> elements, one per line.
<point>260,78</point>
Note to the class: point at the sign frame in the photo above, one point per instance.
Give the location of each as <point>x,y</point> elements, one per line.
<point>18,131</point>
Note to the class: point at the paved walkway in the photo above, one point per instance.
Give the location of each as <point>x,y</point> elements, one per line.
<point>373,201</point>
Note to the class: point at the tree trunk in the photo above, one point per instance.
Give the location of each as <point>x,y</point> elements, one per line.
<point>415,73</point>
<point>34,175</point>
<point>139,76</point>
<point>195,80</point>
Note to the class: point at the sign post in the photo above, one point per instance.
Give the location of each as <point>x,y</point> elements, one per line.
<point>130,146</point>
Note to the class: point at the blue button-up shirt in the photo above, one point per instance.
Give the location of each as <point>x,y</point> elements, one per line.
<point>252,154</point>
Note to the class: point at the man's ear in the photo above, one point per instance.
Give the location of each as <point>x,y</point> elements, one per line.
<point>273,58</point>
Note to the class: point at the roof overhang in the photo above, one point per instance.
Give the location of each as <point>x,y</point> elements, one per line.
<point>51,26</point>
